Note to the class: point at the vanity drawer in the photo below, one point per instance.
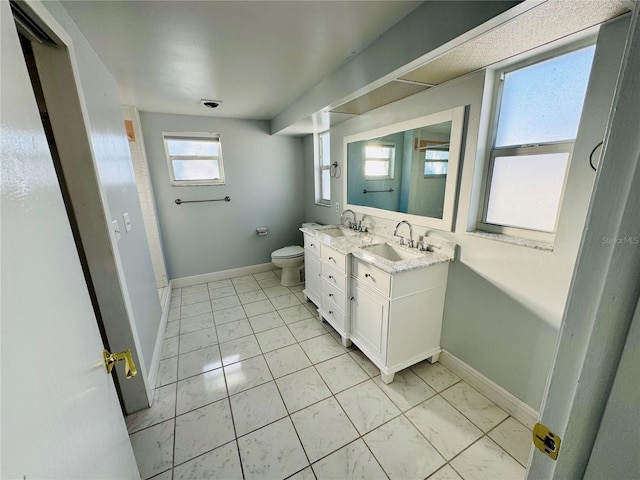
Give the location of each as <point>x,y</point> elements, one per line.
<point>372,277</point>
<point>330,291</point>
<point>310,243</point>
<point>334,258</point>
<point>333,276</point>
<point>331,313</point>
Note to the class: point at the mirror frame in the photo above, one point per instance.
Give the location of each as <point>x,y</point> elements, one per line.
<point>456,117</point>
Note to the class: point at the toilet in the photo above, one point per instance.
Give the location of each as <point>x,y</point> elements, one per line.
<point>291,261</point>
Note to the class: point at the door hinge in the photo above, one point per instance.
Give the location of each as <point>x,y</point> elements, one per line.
<point>546,441</point>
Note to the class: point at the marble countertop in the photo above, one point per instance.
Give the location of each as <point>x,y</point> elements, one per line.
<point>352,241</point>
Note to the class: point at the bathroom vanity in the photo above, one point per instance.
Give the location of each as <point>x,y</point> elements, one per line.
<point>386,298</point>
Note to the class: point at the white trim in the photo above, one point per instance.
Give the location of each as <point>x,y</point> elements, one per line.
<point>222,275</point>
<point>494,392</point>
<point>157,350</point>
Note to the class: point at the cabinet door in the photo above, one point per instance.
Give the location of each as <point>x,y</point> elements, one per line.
<point>369,321</point>
<point>312,277</point>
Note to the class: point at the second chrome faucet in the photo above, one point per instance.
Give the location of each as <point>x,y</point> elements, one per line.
<point>402,240</point>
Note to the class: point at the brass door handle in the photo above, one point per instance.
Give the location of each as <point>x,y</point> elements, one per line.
<point>110,359</point>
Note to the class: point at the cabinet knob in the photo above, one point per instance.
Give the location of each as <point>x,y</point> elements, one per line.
<point>331,294</point>
<point>368,275</point>
<point>352,298</point>
<point>330,312</point>
<point>331,277</point>
<point>331,258</point>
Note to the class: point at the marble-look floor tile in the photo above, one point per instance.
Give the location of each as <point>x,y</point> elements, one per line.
<point>366,364</point>
<point>276,291</point>
<point>353,461</point>
<point>297,288</point>
<point>341,372</point>
<point>258,308</point>
<point>202,430</point>
<point>445,473</point>
<point>301,296</point>
<point>269,282</point>
<point>195,309</point>
<point>226,291</point>
<point>195,298</point>
<point>222,463</point>
<point>272,452</point>
<point>323,428</point>
<point>275,338</point>
<point>402,451</point>
<point>174,314</point>
<point>446,428</point>
<point>475,406</point>
<point>306,474</point>
<point>167,371</point>
<point>219,284</point>
<point>246,287</point>
<point>223,303</point>
<point>266,321</point>
<point>436,375</point>
<point>195,392</point>
<point>485,460</point>
<point>240,349</point>
<point>163,476</point>
<point>242,279</point>
<point>196,323</point>
<point>153,448</point>
<point>170,347</point>
<point>253,296</point>
<point>198,361</point>
<point>247,374</point>
<point>294,314</point>
<point>367,406</point>
<point>285,301</point>
<point>515,438</point>
<point>264,275</point>
<point>229,315</point>
<point>173,329</point>
<point>163,408</point>
<point>321,348</point>
<point>311,307</point>
<point>257,407</point>
<point>201,287</point>
<point>407,389</point>
<point>306,329</point>
<point>286,360</point>
<point>199,339</point>
<point>301,389</point>
<point>232,330</point>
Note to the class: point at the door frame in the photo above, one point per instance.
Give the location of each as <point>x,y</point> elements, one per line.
<point>58,71</point>
<point>605,286</point>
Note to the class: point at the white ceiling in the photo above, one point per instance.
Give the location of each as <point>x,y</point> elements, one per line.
<point>257,57</point>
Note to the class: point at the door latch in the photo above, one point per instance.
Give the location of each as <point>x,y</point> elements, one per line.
<point>110,359</point>
<point>546,441</point>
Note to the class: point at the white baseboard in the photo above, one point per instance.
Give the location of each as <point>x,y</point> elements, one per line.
<point>222,275</point>
<point>494,392</point>
<point>157,350</point>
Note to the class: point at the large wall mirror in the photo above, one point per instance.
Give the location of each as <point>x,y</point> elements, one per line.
<point>407,171</point>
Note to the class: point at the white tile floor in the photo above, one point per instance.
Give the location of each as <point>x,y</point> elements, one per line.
<point>253,386</point>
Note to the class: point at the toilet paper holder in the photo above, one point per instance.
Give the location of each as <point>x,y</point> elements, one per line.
<point>261,231</point>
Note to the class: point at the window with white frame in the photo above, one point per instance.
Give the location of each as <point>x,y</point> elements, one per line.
<point>323,169</point>
<point>378,163</point>
<point>194,158</point>
<point>538,110</point>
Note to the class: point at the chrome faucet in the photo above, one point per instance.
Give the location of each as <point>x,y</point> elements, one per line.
<point>395,233</point>
<point>350,224</point>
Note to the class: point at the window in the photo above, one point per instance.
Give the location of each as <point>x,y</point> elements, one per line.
<point>323,169</point>
<point>436,160</point>
<point>379,158</point>
<point>538,112</point>
<point>194,158</point>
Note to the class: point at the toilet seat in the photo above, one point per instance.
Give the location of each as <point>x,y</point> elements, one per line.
<point>293,251</point>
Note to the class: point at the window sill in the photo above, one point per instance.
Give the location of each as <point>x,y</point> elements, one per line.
<point>522,242</point>
<point>322,204</point>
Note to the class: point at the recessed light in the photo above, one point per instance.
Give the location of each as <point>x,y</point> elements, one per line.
<point>210,103</point>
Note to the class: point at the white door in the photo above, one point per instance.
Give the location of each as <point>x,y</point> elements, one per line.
<point>60,413</point>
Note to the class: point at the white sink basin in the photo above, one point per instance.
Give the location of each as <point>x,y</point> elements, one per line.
<point>388,252</point>
<point>332,231</point>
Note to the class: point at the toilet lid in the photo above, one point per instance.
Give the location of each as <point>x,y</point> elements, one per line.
<point>288,252</point>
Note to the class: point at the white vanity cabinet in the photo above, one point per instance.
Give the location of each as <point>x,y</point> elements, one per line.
<point>334,275</point>
<point>396,320</point>
<point>312,287</point>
